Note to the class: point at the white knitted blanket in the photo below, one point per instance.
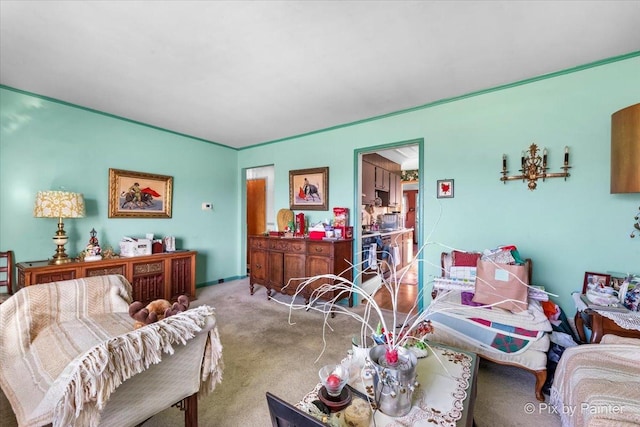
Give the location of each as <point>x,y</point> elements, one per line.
<point>66,346</point>
<point>598,384</point>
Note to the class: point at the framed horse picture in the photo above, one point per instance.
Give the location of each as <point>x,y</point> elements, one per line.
<point>139,195</point>
<point>309,189</point>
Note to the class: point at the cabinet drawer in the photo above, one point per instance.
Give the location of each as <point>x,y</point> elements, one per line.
<point>297,247</point>
<point>103,271</point>
<point>56,276</point>
<point>259,243</point>
<point>322,249</point>
<point>148,268</point>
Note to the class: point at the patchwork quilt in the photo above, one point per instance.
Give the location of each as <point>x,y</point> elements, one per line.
<point>490,327</point>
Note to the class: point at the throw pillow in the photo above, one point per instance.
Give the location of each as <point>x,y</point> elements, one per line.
<point>464,259</point>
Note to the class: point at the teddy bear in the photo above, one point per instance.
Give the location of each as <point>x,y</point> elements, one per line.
<point>156,310</point>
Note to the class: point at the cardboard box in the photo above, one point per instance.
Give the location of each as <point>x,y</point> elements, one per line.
<point>340,217</point>
<point>135,247</point>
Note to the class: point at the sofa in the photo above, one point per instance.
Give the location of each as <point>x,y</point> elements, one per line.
<point>495,334</point>
<point>70,356</point>
<point>599,384</point>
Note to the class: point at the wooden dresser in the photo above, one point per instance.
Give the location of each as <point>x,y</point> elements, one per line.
<point>165,275</point>
<point>276,260</point>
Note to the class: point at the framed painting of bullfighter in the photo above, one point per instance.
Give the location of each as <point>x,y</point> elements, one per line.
<point>309,189</point>
<point>139,194</point>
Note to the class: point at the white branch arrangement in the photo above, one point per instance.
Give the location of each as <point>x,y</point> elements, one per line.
<point>404,329</point>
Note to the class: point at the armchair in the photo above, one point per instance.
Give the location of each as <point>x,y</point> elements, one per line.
<point>69,356</point>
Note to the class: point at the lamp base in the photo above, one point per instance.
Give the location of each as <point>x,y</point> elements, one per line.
<point>60,239</point>
<point>57,260</point>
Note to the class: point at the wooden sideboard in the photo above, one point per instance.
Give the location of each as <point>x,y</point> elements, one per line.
<point>165,275</point>
<point>275,261</point>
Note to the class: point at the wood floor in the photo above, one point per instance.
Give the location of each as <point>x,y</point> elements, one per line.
<point>407,293</point>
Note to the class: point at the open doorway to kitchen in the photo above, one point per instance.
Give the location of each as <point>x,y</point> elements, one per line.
<point>259,202</point>
<point>388,194</point>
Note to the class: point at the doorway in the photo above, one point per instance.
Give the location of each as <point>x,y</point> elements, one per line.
<point>259,202</point>
<point>405,159</point>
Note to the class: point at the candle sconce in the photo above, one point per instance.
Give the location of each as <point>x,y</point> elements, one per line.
<point>636,225</point>
<point>534,167</point>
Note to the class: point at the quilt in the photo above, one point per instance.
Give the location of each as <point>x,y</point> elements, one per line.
<point>490,327</point>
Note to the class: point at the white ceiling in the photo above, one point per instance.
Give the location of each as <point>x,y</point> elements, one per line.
<point>241,73</point>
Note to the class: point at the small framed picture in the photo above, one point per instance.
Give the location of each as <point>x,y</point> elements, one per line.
<point>445,188</point>
<point>309,189</point>
<point>595,281</point>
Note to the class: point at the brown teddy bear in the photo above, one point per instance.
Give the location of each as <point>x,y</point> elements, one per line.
<point>156,310</point>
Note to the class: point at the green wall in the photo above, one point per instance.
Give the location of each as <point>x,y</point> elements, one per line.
<point>48,145</point>
<point>567,228</point>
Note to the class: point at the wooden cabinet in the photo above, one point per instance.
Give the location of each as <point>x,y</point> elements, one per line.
<point>395,191</point>
<point>403,241</point>
<point>286,263</point>
<point>407,248</point>
<point>281,264</point>
<point>368,183</point>
<point>258,262</point>
<point>382,179</point>
<point>166,275</point>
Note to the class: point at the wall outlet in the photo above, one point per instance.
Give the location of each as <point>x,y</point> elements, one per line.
<point>207,206</point>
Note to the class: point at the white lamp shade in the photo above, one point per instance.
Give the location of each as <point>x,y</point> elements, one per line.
<point>58,204</point>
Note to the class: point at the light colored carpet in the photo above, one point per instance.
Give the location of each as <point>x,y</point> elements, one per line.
<point>262,352</point>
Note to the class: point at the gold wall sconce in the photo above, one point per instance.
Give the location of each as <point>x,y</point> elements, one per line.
<point>534,167</point>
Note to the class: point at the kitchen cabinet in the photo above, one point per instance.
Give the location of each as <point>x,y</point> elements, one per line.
<point>403,240</point>
<point>289,261</point>
<point>165,275</point>
<point>395,191</point>
<point>407,248</point>
<point>368,183</point>
<point>382,179</point>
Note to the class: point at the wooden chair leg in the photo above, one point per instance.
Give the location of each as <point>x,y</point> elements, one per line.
<point>541,378</point>
<point>191,411</point>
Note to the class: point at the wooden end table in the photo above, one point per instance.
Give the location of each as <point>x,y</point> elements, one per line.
<point>599,326</point>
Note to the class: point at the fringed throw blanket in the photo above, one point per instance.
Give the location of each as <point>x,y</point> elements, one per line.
<point>66,346</point>
<point>598,385</point>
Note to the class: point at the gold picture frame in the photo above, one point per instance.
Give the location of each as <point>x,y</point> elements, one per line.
<point>139,195</point>
<point>309,189</point>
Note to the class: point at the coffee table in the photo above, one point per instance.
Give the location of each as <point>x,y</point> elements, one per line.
<point>446,395</point>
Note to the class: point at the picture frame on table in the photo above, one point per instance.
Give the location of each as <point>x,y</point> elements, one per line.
<point>139,194</point>
<point>595,280</point>
<point>444,189</point>
<point>309,189</point>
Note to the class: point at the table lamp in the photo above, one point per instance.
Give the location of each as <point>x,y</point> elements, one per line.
<point>59,204</point>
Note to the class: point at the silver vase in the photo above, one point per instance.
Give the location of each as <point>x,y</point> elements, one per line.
<point>393,386</point>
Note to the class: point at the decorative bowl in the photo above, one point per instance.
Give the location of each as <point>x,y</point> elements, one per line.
<point>333,377</point>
